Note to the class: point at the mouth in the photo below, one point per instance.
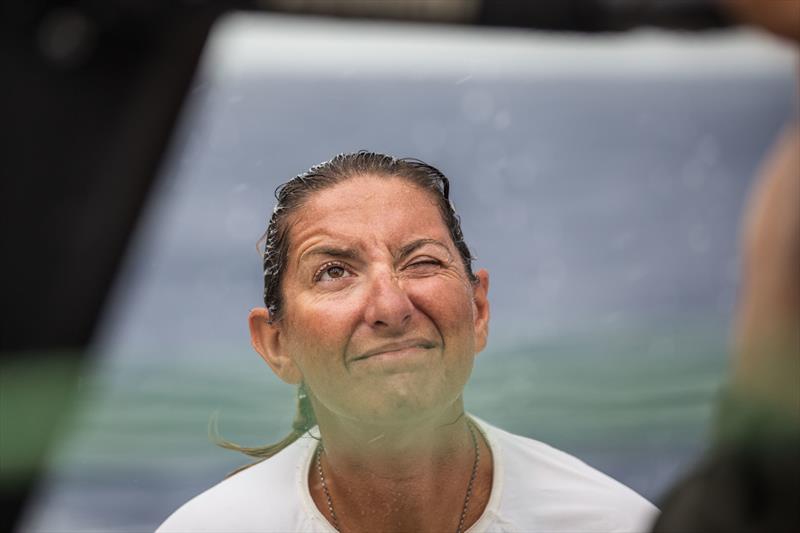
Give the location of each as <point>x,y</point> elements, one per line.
<point>396,349</point>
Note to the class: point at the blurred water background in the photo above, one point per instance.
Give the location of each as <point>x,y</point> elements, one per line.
<point>600,181</point>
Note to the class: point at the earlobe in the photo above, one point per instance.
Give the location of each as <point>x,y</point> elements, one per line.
<point>266,339</point>
<point>481,307</point>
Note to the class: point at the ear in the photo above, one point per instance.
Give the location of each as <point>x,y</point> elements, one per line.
<point>480,302</point>
<point>267,340</point>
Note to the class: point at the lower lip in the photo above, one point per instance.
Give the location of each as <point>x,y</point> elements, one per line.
<point>395,355</point>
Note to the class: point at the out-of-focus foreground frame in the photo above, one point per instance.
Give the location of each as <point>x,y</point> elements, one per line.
<point>91,92</point>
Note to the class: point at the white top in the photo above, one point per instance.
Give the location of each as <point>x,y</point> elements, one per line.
<point>536,488</point>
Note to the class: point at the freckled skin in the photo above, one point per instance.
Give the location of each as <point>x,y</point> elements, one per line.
<point>382,324</point>
<point>374,298</point>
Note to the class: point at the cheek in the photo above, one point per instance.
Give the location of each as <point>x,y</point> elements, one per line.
<point>449,305</point>
<point>314,328</point>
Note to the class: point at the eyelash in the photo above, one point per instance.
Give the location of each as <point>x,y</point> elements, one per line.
<point>331,264</point>
<point>424,262</point>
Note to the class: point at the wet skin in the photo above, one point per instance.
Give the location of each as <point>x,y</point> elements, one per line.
<point>381,321</point>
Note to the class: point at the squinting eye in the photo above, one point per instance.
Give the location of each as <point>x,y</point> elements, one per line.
<point>425,263</point>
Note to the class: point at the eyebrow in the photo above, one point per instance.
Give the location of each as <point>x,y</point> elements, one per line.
<point>413,246</point>
<point>331,251</point>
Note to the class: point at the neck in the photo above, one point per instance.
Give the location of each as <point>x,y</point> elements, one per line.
<point>401,476</point>
<point>396,449</point>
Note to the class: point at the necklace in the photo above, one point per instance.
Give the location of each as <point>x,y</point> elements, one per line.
<point>467,497</point>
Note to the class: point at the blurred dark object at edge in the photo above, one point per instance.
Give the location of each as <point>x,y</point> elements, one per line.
<point>90,94</point>
<point>750,480</point>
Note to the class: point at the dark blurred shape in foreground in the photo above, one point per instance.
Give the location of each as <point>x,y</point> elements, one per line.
<point>751,480</point>
<point>91,91</point>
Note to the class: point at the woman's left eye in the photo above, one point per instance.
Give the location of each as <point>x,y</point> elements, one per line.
<point>424,263</point>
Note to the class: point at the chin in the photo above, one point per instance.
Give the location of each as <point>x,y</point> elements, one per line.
<point>403,405</point>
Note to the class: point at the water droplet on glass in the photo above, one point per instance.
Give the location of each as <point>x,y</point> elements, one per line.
<point>477,106</point>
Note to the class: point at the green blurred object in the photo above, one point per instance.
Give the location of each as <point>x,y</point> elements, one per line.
<point>37,392</point>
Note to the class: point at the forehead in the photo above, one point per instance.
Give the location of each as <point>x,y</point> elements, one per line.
<point>368,208</point>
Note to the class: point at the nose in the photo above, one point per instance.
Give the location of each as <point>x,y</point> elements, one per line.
<point>388,308</point>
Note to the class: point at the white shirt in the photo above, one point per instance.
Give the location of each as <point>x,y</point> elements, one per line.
<point>535,488</point>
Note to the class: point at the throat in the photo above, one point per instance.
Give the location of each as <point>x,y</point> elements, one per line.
<point>447,495</point>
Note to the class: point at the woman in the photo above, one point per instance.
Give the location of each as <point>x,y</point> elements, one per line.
<point>373,310</point>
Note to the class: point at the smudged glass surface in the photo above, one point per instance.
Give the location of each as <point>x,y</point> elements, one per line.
<point>599,182</point>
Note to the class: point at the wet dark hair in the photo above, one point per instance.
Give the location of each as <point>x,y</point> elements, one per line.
<point>291,196</point>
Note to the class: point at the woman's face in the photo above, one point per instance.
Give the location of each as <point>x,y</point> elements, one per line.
<point>380,320</point>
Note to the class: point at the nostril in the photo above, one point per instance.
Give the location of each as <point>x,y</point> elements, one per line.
<point>388,306</point>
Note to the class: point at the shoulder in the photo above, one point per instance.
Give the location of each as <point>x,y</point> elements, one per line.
<point>549,490</point>
<point>263,497</point>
